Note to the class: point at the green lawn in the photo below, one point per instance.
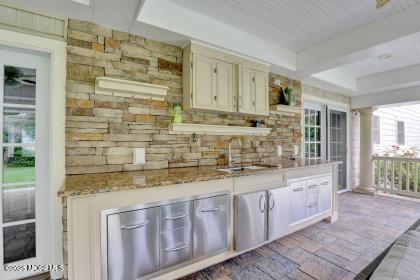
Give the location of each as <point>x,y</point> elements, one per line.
<point>18,174</point>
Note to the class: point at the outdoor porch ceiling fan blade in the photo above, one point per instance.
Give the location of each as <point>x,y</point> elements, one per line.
<point>381,3</point>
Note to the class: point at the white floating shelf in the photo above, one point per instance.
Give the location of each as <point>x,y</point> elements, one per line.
<point>280,109</point>
<point>125,88</point>
<point>189,128</point>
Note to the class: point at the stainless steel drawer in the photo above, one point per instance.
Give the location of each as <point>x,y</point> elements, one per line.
<point>133,244</point>
<point>176,246</point>
<point>176,215</point>
<point>211,225</point>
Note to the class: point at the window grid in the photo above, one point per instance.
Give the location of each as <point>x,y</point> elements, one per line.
<point>312,134</point>
<point>376,130</point>
<point>400,133</point>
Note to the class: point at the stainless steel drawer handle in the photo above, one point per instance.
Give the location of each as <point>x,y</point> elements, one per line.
<point>312,186</point>
<point>272,199</point>
<point>324,183</point>
<point>177,217</point>
<point>298,190</point>
<point>135,226</point>
<point>262,208</point>
<point>176,248</point>
<point>312,205</point>
<point>210,209</point>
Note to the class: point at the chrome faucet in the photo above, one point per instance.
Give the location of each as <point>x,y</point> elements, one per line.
<point>230,147</point>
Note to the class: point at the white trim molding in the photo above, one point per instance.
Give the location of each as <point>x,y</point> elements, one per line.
<point>190,128</point>
<point>125,88</point>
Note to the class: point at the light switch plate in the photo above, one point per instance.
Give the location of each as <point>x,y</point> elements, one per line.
<point>139,156</point>
<point>295,150</point>
<point>279,150</point>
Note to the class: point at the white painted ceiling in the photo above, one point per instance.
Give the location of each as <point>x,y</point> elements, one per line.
<point>331,44</point>
<point>406,56</point>
<point>297,24</point>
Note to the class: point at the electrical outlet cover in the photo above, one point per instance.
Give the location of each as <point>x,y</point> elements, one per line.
<point>279,150</point>
<point>139,156</point>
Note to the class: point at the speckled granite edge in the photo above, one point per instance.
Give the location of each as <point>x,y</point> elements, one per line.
<point>88,184</point>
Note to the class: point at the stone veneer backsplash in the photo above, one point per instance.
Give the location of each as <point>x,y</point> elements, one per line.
<point>102,130</point>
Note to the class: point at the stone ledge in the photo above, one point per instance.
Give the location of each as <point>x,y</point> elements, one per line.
<point>126,88</point>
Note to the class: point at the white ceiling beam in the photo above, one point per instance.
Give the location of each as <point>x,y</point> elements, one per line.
<point>325,85</point>
<point>384,98</point>
<point>385,81</point>
<point>172,17</point>
<point>387,34</point>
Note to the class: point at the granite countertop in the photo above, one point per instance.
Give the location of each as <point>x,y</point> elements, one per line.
<point>86,184</point>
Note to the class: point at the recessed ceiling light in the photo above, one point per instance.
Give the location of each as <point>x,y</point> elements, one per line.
<point>84,2</point>
<point>385,56</point>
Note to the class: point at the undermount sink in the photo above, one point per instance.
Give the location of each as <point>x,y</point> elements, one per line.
<point>242,168</point>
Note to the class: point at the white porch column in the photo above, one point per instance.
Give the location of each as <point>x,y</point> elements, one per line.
<point>366,150</point>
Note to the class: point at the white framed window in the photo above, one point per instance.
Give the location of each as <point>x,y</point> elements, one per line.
<point>400,133</point>
<point>312,134</point>
<point>376,130</point>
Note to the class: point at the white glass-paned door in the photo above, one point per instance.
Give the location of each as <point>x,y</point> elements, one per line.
<point>24,190</point>
<point>338,143</point>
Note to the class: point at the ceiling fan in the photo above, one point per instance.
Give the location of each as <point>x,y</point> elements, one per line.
<point>381,3</point>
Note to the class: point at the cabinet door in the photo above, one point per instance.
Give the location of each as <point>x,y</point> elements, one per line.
<point>297,193</point>
<point>246,90</point>
<point>204,88</point>
<point>133,244</point>
<point>278,213</point>
<point>324,194</point>
<point>250,228</point>
<point>225,86</point>
<point>210,225</point>
<point>261,93</point>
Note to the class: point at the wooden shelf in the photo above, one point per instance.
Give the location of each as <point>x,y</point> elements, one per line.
<point>280,109</point>
<point>189,128</point>
<point>125,88</point>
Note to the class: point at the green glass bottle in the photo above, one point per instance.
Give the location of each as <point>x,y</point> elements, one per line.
<point>177,116</point>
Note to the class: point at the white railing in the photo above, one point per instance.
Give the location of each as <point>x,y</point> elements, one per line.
<point>397,175</point>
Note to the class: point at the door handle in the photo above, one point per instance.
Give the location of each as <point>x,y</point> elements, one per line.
<point>210,210</point>
<point>270,194</point>
<point>312,186</point>
<point>298,190</point>
<point>176,248</point>
<point>135,226</point>
<point>177,217</point>
<point>262,209</point>
<point>324,183</point>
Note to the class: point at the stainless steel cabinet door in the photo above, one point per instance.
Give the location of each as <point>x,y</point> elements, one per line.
<point>210,225</point>
<point>250,227</point>
<point>324,194</point>
<point>297,193</point>
<point>133,244</point>
<point>278,213</point>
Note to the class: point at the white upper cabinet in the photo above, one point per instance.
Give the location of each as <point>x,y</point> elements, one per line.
<point>204,83</point>
<point>225,86</point>
<point>218,81</point>
<point>253,91</point>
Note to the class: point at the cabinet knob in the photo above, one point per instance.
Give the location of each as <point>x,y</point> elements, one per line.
<point>215,98</point>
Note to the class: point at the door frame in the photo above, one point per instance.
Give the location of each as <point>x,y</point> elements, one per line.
<point>56,50</point>
<point>348,146</point>
<point>334,105</point>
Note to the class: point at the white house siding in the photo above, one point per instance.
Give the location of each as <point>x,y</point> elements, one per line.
<point>410,115</point>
